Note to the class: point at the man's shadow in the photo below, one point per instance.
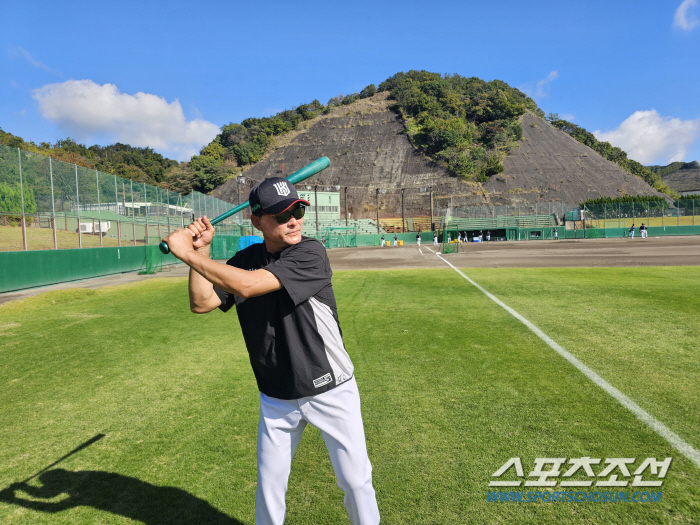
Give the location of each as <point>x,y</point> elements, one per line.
<point>122,495</point>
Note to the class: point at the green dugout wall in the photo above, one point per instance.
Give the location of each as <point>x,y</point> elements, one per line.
<point>19,270</point>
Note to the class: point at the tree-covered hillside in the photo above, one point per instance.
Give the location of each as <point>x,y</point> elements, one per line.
<point>137,164</point>
<point>662,171</point>
<point>466,124</point>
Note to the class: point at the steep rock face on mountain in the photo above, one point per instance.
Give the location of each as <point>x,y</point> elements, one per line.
<point>550,165</point>
<point>686,180</point>
<point>369,150</point>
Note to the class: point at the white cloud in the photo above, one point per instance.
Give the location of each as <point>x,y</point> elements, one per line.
<point>18,51</point>
<point>684,18</point>
<point>539,89</point>
<point>648,137</point>
<point>86,109</point>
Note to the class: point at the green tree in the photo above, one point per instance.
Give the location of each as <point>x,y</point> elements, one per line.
<point>11,200</point>
<point>368,91</point>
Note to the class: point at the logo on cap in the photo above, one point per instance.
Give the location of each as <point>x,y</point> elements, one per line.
<point>282,189</point>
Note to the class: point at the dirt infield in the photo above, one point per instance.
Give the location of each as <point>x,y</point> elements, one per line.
<point>657,251</point>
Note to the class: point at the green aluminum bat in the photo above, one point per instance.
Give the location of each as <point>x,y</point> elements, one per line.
<point>304,173</point>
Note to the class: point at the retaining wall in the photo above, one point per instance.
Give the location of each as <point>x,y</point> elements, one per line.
<point>19,270</point>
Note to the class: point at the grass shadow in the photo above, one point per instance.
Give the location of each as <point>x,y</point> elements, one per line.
<point>117,494</point>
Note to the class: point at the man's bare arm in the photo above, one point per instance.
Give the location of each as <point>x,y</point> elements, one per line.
<point>205,273</point>
<point>191,245</point>
<point>203,299</point>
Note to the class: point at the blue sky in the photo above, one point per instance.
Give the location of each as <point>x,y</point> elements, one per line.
<point>168,75</point>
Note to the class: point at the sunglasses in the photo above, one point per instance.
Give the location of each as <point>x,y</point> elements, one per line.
<point>283,218</point>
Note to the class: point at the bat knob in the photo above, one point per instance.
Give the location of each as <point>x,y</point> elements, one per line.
<point>164,248</point>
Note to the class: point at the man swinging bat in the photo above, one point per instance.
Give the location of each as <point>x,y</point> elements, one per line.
<point>286,307</point>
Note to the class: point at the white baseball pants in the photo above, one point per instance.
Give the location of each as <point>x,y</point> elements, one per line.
<point>336,414</point>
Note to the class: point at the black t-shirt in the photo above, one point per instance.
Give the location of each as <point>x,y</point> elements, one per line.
<point>293,335</point>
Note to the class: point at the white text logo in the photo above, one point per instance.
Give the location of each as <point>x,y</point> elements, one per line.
<point>282,189</point>
<point>614,468</point>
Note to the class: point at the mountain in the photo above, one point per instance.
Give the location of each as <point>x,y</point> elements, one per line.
<point>681,177</point>
<point>369,149</point>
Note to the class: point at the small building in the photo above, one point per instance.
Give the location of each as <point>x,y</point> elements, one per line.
<point>328,205</point>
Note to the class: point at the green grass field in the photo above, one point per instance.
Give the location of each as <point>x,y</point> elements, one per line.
<point>42,239</point>
<point>452,387</point>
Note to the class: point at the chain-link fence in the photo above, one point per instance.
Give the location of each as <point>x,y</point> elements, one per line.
<point>497,218</point>
<point>683,212</point>
<point>50,204</point>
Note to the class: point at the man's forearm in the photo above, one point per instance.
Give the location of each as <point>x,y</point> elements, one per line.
<point>234,280</point>
<point>200,289</point>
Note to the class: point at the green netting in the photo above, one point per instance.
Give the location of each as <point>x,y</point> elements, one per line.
<point>338,237</point>
<point>224,246</point>
<point>450,247</point>
<point>58,195</point>
<point>154,259</point>
<point>592,233</point>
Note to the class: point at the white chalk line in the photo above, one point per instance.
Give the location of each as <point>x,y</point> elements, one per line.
<point>662,430</point>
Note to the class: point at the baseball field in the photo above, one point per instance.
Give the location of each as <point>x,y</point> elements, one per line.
<point>453,386</point>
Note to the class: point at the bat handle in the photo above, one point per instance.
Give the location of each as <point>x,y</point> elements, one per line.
<point>164,248</point>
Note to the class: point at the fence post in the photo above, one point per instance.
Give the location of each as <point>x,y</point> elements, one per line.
<point>238,196</point>
<point>53,208</point>
<point>116,210</point>
<point>99,207</point>
<point>133,215</point>
<point>346,206</point>
<point>145,201</point>
<point>77,201</point>
<point>167,197</point>
<point>21,193</point>
<point>160,202</point>
<point>605,214</point>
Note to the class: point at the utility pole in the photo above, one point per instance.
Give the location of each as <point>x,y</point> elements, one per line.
<point>377,211</point>
<point>316,205</point>
<point>403,214</point>
<point>432,224</point>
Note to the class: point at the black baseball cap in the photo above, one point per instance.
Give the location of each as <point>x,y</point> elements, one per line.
<point>273,196</point>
